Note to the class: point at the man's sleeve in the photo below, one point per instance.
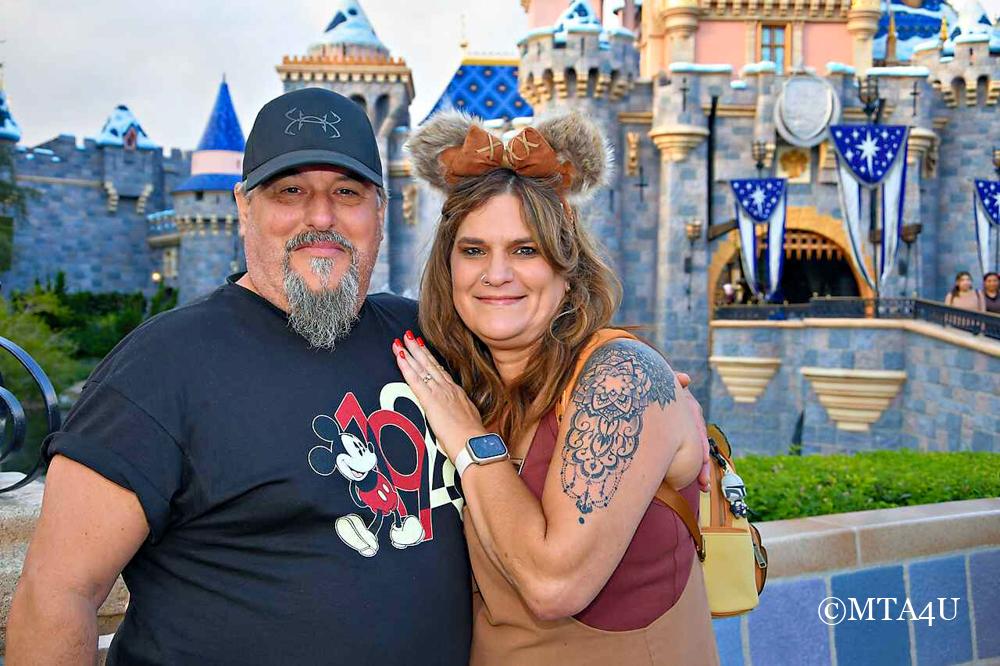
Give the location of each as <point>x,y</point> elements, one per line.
<point>112,435</point>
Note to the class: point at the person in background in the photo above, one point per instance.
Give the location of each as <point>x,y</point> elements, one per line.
<point>963,296</point>
<point>991,292</point>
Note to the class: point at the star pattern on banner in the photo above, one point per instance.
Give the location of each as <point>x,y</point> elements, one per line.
<point>989,195</point>
<point>869,150</point>
<point>759,196</point>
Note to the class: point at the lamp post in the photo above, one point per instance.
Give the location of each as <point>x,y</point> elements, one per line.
<point>758,150</point>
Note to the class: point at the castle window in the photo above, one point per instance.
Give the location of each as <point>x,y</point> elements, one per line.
<point>199,195</point>
<point>170,262</point>
<point>772,44</point>
<point>130,139</point>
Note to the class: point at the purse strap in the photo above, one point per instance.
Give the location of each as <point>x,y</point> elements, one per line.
<point>680,506</point>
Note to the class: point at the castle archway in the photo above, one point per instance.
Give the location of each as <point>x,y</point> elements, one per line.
<point>817,259</point>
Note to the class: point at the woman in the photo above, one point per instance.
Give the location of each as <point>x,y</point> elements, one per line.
<point>574,561</point>
<point>991,292</point>
<point>963,296</point>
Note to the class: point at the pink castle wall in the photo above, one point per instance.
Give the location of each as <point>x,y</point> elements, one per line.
<point>823,42</point>
<point>543,13</point>
<point>721,43</point>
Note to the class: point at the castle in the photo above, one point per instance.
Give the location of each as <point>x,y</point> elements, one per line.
<point>691,93</point>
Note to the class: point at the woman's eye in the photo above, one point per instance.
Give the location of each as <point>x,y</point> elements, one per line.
<point>526,251</point>
<point>472,251</point>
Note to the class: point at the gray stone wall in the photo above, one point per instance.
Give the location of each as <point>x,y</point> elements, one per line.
<point>68,225</point>
<point>950,400</point>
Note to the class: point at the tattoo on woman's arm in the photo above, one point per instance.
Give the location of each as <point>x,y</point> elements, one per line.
<point>617,384</point>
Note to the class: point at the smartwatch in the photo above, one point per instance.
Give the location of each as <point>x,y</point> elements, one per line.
<point>481,450</point>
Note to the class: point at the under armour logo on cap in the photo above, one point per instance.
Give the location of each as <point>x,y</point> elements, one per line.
<point>297,123</point>
<point>311,126</point>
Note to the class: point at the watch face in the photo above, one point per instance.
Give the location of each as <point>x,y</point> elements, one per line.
<point>489,446</point>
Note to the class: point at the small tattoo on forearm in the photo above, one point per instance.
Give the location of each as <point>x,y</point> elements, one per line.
<point>617,384</point>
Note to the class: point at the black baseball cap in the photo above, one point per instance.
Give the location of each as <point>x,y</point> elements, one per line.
<point>310,126</point>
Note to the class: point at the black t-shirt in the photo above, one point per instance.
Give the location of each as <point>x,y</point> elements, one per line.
<point>299,510</point>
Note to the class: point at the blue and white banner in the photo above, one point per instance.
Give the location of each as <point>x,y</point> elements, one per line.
<point>761,200</point>
<point>873,158</point>
<point>986,211</point>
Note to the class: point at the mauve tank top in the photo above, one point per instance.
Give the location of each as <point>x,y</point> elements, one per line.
<point>652,573</point>
<point>652,611</point>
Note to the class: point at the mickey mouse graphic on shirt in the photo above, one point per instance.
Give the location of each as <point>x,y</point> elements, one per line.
<point>370,490</point>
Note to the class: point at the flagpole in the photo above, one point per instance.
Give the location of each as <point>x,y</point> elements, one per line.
<point>868,94</point>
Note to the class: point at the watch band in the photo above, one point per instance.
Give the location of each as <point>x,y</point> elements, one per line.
<point>462,462</point>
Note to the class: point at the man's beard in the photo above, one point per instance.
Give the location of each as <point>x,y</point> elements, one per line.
<point>324,316</point>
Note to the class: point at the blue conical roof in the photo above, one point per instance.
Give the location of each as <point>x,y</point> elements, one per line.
<point>9,130</point>
<point>351,27</point>
<point>223,131</point>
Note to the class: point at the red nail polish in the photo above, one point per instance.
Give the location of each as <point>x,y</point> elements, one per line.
<point>409,335</point>
<point>402,354</point>
<point>398,342</point>
<point>420,341</point>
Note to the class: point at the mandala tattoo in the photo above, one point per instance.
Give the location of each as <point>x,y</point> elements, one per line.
<point>617,384</point>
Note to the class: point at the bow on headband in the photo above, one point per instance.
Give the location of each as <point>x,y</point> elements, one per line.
<point>527,154</point>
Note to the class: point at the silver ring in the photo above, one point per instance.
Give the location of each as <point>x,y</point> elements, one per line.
<point>427,377</point>
<point>485,281</point>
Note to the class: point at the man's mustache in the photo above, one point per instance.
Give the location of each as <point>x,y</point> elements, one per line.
<point>310,237</point>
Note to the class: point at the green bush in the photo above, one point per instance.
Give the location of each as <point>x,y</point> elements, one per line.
<point>93,322</point>
<point>781,487</point>
<point>53,351</point>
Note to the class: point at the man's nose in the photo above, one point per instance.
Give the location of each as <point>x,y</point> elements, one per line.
<point>321,213</point>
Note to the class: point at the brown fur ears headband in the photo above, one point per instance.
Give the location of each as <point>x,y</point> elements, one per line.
<point>453,146</point>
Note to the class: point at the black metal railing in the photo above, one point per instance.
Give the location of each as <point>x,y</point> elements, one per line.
<point>978,323</point>
<point>15,422</point>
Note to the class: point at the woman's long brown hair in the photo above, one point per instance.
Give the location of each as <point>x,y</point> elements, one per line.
<point>593,296</point>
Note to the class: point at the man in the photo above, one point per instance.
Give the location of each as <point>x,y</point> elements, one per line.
<point>253,463</point>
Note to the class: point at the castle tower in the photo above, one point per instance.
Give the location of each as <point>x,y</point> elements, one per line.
<point>351,60</point>
<point>205,212</point>
<point>576,64</point>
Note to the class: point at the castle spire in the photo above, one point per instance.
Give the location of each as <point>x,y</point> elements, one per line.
<point>944,29</point>
<point>890,39</point>
<point>223,131</point>
<point>217,163</point>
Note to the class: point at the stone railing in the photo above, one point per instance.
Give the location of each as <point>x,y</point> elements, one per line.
<point>984,323</point>
<point>946,555</point>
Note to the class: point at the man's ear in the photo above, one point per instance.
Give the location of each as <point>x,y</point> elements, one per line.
<point>242,206</point>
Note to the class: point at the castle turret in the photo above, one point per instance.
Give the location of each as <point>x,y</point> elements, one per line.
<point>577,64</point>
<point>204,207</point>
<point>351,60</point>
